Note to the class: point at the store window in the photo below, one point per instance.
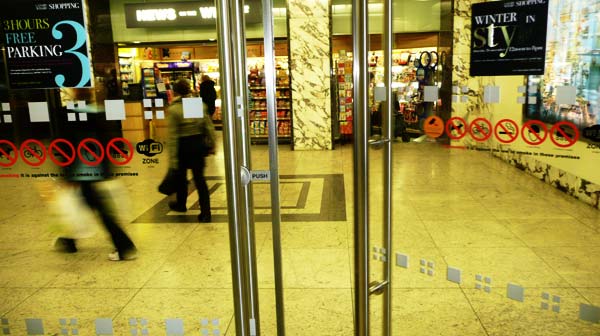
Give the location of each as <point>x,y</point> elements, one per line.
<point>417,34</point>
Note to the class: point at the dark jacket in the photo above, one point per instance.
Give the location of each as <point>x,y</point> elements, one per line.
<point>208,95</point>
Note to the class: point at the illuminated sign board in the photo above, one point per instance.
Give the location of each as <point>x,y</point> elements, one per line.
<point>46,44</point>
<point>182,14</point>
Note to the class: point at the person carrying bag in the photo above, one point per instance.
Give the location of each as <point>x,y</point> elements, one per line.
<point>190,140</point>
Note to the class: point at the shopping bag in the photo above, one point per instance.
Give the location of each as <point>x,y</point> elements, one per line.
<point>115,196</point>
<point>73,218</point>
<point>168,186</point>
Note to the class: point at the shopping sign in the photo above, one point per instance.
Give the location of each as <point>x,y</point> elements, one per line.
<point>46,44</point>
<point>508,37</point>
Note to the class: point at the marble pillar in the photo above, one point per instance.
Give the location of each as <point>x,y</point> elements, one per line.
<point>310,67</point>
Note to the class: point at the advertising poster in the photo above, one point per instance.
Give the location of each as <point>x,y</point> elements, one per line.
<point>573,60</point>
<point>508,38</point>
<point>46,44</point>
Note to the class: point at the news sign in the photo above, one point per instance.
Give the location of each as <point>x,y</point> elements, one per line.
<point>46,44</point>
<point>183,14</point>
<point>508,37</point>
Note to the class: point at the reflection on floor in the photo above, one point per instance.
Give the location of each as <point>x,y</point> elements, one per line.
<point>480,248</point>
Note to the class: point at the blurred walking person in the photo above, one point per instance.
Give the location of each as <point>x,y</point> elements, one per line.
<point>97,187</point>
<point>190,141</point>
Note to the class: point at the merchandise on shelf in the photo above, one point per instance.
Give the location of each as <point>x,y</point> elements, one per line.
<point>149,83</point>
<point>344,93</point>
<point>126,73</point>
<point>258,100</point>
<point>408,80</point>
<point>167,73</point>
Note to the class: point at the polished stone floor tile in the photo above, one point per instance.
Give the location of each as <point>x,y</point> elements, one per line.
<point>580,266</point>
<point>405,233</point>
<point>94,270</point>
<point>149,236</point>
<point>419,267</point>
<point>32,268</point>
<point>27,235</point>
<point>199,268</point>
<point>454,211</point>
<point>566,232</point>
<point>468,232</point>
<point>518,209</point>
<point>85,305</point>
<point>544,311</point>
<point>198,309</point>
<point>591,222</point>
<point>313,235</point>
<point>451,210</point>
<point>591,295</point>
<point>519,265</point>
<point>423,312</point>
<point>307,268</point>
<point>314,311</point>
<point>10,298</point>
<point>213,236</point>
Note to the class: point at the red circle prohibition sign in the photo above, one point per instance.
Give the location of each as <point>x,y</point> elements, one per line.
<point>485,134</point>
<point>111,145</point>
<point>11,159</point>
<point>97,158</point>
<point>460,129</point>
<point>27,152</point>
<point>534,128</point>
<point>504,129</point>
<point>560,133</point>
<point>55,147</point>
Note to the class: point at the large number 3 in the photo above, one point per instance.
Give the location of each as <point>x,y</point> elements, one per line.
<point>85,62</point>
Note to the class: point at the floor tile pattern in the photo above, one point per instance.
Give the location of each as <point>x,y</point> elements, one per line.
<point>485,250</point>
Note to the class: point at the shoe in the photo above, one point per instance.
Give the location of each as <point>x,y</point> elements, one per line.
<point>65,245</point>
<point>115,256</point>
<point>204,218</point>
<point>173,205</point>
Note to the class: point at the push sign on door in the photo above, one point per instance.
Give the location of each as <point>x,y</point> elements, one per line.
<point>261,175</point>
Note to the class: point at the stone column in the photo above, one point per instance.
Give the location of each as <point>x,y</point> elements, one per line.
<point>309,34</point>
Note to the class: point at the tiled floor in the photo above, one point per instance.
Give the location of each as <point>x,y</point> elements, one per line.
<point>452,208</point>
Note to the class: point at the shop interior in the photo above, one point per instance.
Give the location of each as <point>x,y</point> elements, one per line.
<point>147,71</point>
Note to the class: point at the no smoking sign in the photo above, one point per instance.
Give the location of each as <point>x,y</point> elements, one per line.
<point>506,131</point>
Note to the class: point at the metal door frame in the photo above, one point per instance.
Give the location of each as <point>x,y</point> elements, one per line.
<point>364,288</point>
<point>236,143</point>
<point>232,55</point>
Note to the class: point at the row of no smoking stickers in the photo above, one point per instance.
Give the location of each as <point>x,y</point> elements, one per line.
<point>63,153</point>
<point>563,134</point>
